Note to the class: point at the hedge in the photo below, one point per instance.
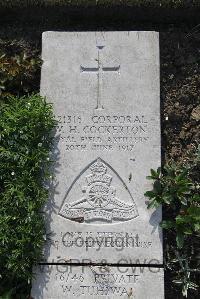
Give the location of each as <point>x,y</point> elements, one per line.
<point>26,126</point>
<point>105,3</point>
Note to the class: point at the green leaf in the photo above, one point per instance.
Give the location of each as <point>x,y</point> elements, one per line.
<point>150,194</point>
<point>157,187</point>
<point>167,224</point>
<point>193,286</point>
<point>7,295</point>
<point>167,198</point>
<point>154,174</point>
<point>196,198</point>
<point>153,204</point>
<point>177,281</point>
<point>149,178</point>
<point>183,219</point>
<point>180,239</point>
<point>187,231</point>
<point>159,171</point>
<point>184,201</point>
<point>194,211</point>
<point>197,227</point>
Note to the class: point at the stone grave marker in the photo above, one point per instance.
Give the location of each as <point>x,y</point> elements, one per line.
<point>105,90</point>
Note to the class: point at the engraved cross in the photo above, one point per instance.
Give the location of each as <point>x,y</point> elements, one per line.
<point>99,70</point>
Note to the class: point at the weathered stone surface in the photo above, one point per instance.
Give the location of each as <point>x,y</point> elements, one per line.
<point>56,282</point>
<point>105,91</point>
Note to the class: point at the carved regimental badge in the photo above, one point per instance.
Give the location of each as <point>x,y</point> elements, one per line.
<point>98,200</point>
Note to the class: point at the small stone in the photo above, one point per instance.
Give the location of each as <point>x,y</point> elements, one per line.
<point>182,134</point>
<point>196,113</point>
<point>177,104</point>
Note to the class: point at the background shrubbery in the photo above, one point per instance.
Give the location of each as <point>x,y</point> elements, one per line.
<point>148,3</point>
<point>177,189</point>
<point>19,70</point>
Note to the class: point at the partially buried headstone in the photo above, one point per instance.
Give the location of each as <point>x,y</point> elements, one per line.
<point>105,91</point>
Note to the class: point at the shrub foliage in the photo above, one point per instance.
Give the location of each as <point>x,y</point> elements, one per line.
<point>26,126</point>
<point>150,3</point>
<point>177,189</point>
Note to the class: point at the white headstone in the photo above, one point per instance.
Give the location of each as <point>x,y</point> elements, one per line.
<point>105,91</point>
